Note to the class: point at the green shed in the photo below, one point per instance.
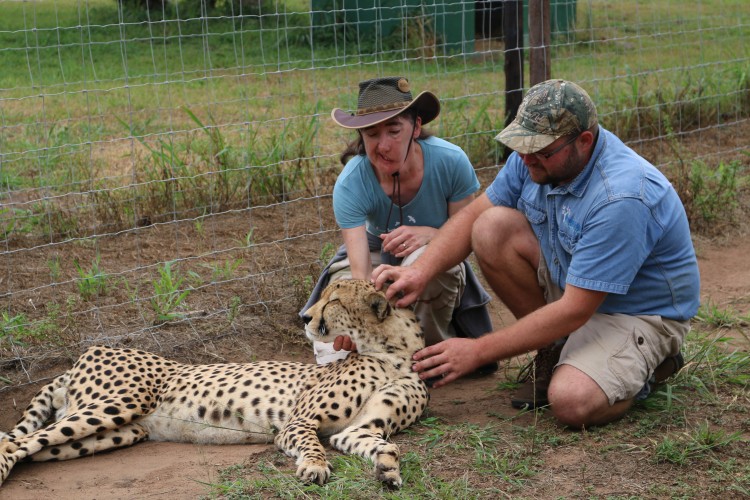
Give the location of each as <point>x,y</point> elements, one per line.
<point>489,18</point>
<point>364,21</point>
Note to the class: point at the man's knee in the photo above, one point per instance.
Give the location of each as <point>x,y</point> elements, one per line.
<point>501,229</point>
<point>574,397</point>
<point>573,412</point>
<point>577,400</point>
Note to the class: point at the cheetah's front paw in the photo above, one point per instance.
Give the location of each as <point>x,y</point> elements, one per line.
<point>7,447</point>
<point>388,475</point>
<point>316,471</point>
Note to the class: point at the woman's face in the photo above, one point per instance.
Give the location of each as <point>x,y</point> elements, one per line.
<point>386,143</point>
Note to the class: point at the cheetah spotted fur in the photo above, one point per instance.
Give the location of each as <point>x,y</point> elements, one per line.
<point>112,398</point>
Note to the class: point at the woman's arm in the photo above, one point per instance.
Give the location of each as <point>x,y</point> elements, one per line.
<point>358,251</point>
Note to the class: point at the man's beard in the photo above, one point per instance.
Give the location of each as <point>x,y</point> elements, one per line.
<point>569,171</point>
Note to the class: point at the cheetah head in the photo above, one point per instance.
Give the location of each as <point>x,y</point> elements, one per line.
<point>356,309</point>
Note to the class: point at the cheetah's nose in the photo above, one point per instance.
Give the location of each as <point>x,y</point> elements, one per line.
<point>306,318</point>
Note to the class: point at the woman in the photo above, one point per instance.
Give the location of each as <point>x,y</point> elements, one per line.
<point>398,186</point>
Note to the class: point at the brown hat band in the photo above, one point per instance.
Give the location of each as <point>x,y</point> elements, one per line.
<point>383,107</point>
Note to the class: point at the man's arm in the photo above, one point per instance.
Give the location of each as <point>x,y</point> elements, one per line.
<point>455,206</point>
<point>454,358</point>
<point>451,245</point>
<point>406,239</point>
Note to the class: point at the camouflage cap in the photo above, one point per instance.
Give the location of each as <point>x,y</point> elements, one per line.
<point>550,110</point>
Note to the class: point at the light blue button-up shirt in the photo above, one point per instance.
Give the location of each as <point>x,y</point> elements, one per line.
<point>618,227</point>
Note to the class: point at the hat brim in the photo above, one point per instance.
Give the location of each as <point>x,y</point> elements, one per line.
<point>426,104</point>
<point>524,141</point>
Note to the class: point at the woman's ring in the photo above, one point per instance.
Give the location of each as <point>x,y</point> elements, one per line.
<point>403,245</point>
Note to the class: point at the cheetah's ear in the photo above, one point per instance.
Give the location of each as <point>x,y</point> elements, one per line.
<point>379,305</point>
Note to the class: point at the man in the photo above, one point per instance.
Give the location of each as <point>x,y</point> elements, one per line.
<point>589,247</point>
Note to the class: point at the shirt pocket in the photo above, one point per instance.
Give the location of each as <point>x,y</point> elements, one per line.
<point>536,217</point>
<point>568,239</point>
<point>534,214</point>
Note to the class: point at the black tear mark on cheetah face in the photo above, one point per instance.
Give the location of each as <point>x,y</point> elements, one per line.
<point>113,398</point>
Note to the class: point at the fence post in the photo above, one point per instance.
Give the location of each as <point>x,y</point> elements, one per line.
<point>513,66</point>
<point>539,41</point>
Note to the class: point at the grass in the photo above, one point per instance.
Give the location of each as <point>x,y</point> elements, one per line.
<point>206,124</point>
<point>673,437</point>
<point>713,316</point>
<point>693,445</point>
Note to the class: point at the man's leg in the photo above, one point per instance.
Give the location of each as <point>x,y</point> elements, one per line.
<point>605,364</point>
<point>578,401</point>
<point>508,254</point>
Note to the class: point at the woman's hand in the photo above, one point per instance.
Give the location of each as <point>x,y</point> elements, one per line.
<point>404,240</point>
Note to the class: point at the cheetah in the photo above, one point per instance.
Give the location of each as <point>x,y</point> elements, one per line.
<point>114,397</point>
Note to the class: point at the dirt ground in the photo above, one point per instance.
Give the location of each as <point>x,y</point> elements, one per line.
<point>167,470</point>
<point>170,470</point>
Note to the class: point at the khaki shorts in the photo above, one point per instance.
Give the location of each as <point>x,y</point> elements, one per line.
<point>618,351</point>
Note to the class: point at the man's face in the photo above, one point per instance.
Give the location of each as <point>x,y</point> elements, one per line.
<point>558,163</point>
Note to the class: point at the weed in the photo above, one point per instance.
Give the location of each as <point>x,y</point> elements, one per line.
<point>713,317</point>
<point>234,308</point>
<point>664,399</point>
<point>709,355</point>
<point>224,270</point>
<point>714,194</point>
<point>303,287</point>
<point>198,224</point>
<point>327,252</point>
<point>280,164</point>
<point>710,195</point>
<point>686,447</point>
<point>18,221</point>
<point>248,240</point>
<point>168,296</point>
<point>92,282</point>
<point>7,222</point>
<point>13,328</point>
<point>219,155</point>
<point>54,268</point>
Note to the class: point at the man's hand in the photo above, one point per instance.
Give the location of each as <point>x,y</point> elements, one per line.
<point>449,359</point>
<point>404,283</point>
<point>345,343</point>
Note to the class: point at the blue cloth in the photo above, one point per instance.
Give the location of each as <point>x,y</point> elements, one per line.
<point>359,199</point>
<point>618,227</point>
